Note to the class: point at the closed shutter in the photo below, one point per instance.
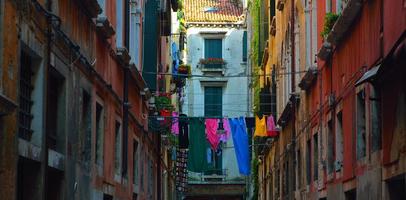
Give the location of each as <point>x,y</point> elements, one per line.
<point>213,48</point>
<point>213,99</point>
<point>244,47</point>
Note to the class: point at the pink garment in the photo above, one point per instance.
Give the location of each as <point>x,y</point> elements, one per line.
<point>175,123</point>
<point>227,130</point>
<point>211,133</point>
<point>270,127</point>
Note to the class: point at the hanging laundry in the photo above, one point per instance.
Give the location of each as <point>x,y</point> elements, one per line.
<point>209,155</point>
<point>175,58</point>
<point>211,133</point>
<point>198,146</point>
<point>183,132</point>
<point>270,127</point>
<point>250,122</point>
<point>166,114</point>
<point>227,131</point>
<point>260,127</point>
<point>240,139</point>
<point>175,123</point>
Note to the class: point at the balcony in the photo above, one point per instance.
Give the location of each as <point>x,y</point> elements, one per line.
<point>212,65</point>
<point>340,28</point>
<point>272,30</point>
<point>308,78</point>
<point>280,5</point>
<point>123,56</point>
<point>92,7</point>
<point>344,22</point>
<point>104,27</point>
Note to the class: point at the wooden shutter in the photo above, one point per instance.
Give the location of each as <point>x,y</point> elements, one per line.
<point>213,99</point>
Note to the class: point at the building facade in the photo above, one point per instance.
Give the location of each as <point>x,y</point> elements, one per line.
<point>218,86</point>
<point>339,112</point>
<point>74,99</point>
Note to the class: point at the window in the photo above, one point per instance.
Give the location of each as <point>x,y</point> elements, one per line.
<point>119,23</point>
<point>286,180</point>
<point>150,177</point>
<point>55,126</point>
<point>375,119</point>
<point>99,134</point>
<point>330,149</point>
<point>340,5</point>
<point>244,47</point>
<point>328,6</point>
<point>361,131</point>
<point>142,160</point>
<point>25,90</point>
<point>102,4</point>
<point>86,129</point>
<point>339,141</point>
<point>299,169</point>
<point>308,161</point>
<point>117,148</point>
<point>135,36</point>
<point>135,162</point>
<point>315,157</point>
<point>213,48</point>
<point>213,100</point>
<point>215,163</point>
<point>107,197</point>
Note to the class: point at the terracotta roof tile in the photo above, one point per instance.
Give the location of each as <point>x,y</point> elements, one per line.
<point>212,11</point>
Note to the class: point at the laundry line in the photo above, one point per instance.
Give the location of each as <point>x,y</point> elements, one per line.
<point>226,76</point>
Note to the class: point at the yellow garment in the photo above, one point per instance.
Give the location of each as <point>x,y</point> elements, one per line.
<point>260,127</point>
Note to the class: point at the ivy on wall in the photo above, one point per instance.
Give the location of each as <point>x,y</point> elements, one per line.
<point>254,7</point>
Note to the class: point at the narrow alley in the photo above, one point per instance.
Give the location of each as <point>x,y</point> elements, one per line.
<point>202,99</point>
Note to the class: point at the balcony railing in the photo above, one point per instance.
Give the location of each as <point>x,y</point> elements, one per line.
<point>213,66</point>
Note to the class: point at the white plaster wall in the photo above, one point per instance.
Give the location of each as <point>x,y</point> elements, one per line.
<point>235,89</point>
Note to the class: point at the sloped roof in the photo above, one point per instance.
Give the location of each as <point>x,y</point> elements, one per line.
<point>213,11</point>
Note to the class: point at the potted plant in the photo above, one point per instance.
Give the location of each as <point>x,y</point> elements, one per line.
<point>207,61</point>
<point>329,21</point>
<point>184,69</point>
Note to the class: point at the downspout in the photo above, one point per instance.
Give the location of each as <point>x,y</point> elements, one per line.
<point>46,69</point>
<point>293,76</point>
<point>126,104</point>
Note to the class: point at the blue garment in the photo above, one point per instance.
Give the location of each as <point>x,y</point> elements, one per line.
<point>175,58</point>
<point>240,139</point>
<point>209,155</point>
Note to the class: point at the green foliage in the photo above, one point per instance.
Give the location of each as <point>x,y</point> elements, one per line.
<point>329,21</point>
<point>181,17</point>
<point>163,103</point>
<point>255,6</point>
<point>254,176</point>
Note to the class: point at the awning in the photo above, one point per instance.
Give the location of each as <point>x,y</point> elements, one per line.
<point>369,75</point>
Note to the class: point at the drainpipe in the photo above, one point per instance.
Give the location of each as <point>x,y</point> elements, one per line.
<point>45,136</point>
<point>293,75</point>
<point>126,104</point>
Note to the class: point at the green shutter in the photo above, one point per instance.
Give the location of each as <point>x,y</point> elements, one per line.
<point>213,99</point>
<point>244,47</point>
<point>149,68</point>
<point>213,48</point>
